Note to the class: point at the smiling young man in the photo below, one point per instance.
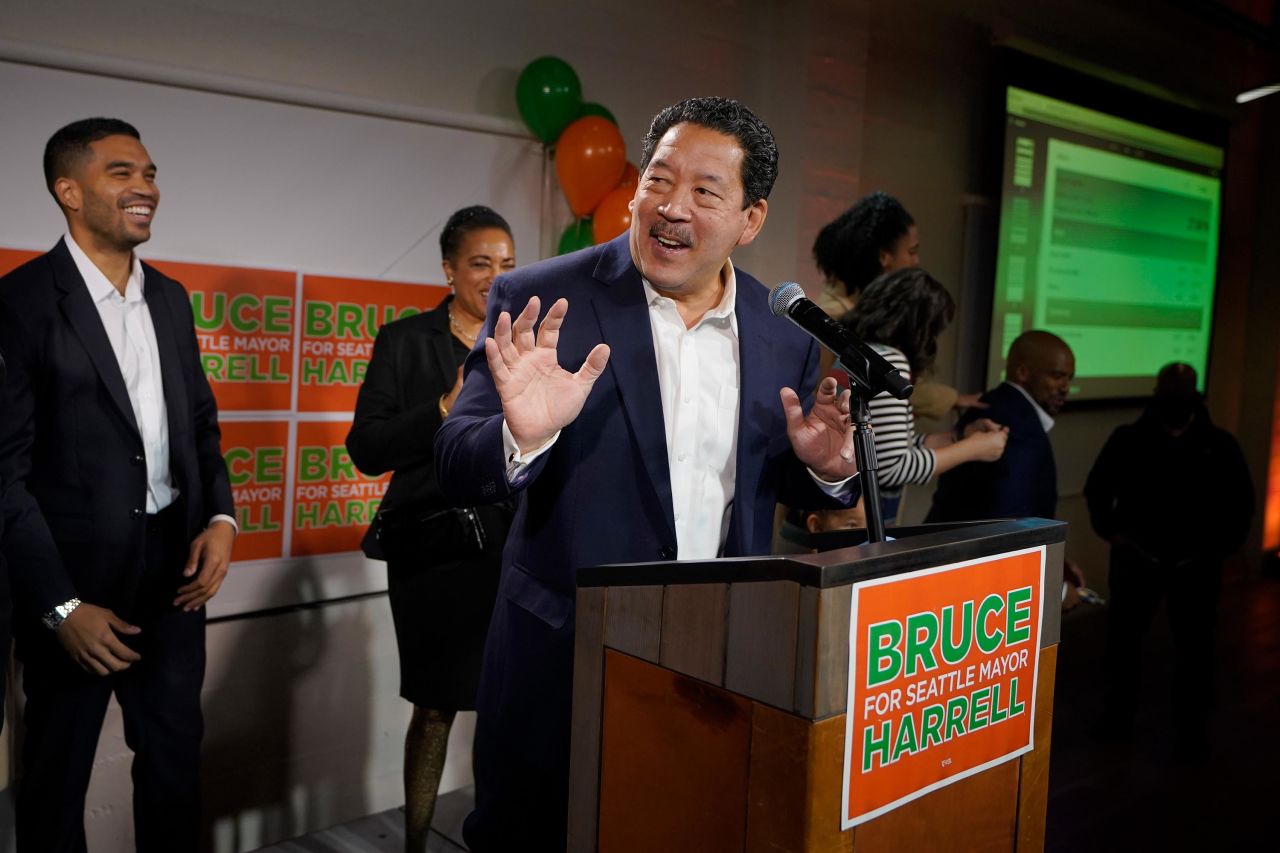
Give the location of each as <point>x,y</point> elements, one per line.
<point>655,420</point>
<point>119,507</point>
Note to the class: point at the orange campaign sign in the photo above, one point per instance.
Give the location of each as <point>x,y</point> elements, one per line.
<point>11,259</point>
<point>340,319</point>
<point>256,453</point>
<point>333,502</point>
<point>942,677</point>
<point>244,326</point>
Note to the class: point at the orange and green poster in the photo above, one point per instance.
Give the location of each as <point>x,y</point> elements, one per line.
<point>244,327</point>
<point>11,259</point>
<point>942,677</point>
<point>256,453</point>
<point>340,319</point>
<point>333,503</point>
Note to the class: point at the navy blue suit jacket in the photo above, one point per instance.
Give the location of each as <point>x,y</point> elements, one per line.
<point>602,493</point>
<point>1022,483</point>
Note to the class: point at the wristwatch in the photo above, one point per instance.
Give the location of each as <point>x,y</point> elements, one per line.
<point>59,614</point>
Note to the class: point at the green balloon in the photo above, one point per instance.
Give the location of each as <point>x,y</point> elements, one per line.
<point>576,236</point>
<point>549,97</point>
<point>591,108</point>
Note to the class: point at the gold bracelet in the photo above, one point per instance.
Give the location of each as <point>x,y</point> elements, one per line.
<point>444,411</point>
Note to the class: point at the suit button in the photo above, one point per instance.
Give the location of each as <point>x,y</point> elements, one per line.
<point>666,552</point>
<point>136,513</point>
<point>139,459</point>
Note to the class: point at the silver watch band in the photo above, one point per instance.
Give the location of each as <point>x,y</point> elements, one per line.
<point>59,614</point>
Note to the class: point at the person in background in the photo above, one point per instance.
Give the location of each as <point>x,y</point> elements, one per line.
<point>118,502</point>
<point>1024,482</point>
<point>793,533</point>
<point>901,315</point>
<point>1172,495</point>
<point>442,562</point>
<point>824,520</point>
<point>873,237</point>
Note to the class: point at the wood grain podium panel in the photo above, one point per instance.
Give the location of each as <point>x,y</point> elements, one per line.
<point>795,784</point>
<point>1051,614</point>
<point>807,652</point>
<point>634,624</point>
<point>831,679</point>
<point>674,761</point>
<point>1033,784</point>
<point>761,656</point>
<point>588,683</point>
<point>695,630</point>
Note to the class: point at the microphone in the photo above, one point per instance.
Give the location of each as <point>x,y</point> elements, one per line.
<point>865,366</point>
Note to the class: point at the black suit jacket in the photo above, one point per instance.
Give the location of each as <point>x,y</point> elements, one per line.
<point>70,450</point>
<point>1022,483</point>
<point>398,410</point>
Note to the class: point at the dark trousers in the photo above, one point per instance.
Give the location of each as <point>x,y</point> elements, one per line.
<point>1190,593</point>
<point>521,754</point>
<point>159,696</point>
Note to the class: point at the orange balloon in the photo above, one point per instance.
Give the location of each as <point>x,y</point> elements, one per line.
<point>613,216</point>
<point>590,159</point>
<point>630,177</point>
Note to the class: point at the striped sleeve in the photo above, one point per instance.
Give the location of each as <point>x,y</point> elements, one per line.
<point>900,451</point>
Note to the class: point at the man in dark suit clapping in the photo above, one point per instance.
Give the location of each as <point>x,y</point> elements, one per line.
<point>119,510</point>
<point>1024,482</point>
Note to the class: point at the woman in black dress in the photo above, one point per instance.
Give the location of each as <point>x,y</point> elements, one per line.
<point>442,561</point>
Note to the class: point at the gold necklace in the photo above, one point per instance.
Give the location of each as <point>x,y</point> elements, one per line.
<point>457,327</point>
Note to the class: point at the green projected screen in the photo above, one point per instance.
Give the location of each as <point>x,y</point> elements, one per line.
<point>1108,238</point>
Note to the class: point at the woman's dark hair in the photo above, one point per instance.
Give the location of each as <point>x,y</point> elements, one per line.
<point>848,248</point>
<point>760,163</point>
<point>464,222</point>
<point>906,309</point>
<point>69,146</point>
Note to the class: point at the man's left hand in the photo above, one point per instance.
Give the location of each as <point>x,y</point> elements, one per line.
<point>208,561</point>
<point>822,440</point>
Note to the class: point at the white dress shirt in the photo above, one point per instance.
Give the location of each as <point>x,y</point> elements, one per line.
<point>698,380</point>
<point>127,322</point>
<point>698,370</point>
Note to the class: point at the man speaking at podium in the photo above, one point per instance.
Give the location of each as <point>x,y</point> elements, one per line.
<point>668,442</point>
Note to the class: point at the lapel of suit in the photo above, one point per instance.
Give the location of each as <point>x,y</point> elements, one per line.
<point>85,321</point>
<point>624,322</point>
<point>162,320</point>
<point>758,405</point>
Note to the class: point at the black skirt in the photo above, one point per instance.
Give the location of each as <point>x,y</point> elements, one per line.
<point>441,602</point>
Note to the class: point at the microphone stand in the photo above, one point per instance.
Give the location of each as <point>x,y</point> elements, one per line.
<point>864,441</point>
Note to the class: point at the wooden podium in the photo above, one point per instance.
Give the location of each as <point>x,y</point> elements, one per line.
<point>709,705</point>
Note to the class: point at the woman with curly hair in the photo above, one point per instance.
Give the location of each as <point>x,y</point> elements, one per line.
<point>901,315</point>
<point>873,237</point>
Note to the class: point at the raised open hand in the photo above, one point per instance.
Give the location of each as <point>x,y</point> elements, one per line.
<point>822,440</point>
<point>539,397</point>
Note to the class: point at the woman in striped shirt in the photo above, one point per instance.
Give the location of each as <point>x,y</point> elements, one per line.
<point>901,315</point>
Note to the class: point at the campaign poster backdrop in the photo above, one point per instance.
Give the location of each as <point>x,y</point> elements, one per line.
<point>284,415</point>
<point>244,327</point>
<point>942,677</point>
<point>11,259</point>
<point>340,319</point>
<point>333,503</point>
<point>257,456</point>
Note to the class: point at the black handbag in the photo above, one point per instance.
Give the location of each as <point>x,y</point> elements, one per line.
<point>429,536</point>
